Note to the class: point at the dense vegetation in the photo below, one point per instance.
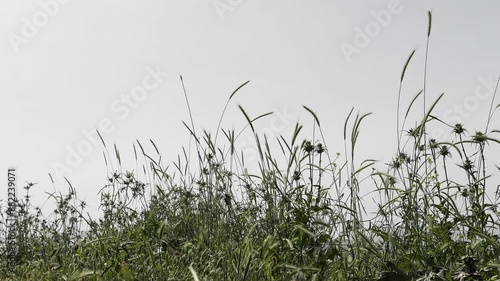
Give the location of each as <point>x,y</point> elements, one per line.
<point>299,217</point>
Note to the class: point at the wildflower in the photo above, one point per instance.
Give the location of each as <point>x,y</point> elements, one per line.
<point>468,165</point>
<point>444,151</point>
<point>307,146</point>
<point>459,129</point>
<point>319,148</point>
<point>479,137</point>
<point>433,144</point>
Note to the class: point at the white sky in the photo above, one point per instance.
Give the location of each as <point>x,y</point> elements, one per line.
<point>63,78</point>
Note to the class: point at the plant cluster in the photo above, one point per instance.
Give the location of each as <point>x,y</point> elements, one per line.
<point>300,216</point>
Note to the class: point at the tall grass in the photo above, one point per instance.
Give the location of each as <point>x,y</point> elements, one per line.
<point>299,216</point>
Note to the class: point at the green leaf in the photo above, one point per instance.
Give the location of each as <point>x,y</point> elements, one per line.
<point>79,275</point>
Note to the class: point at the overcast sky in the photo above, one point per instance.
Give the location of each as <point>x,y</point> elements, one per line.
<point>68,67</point>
